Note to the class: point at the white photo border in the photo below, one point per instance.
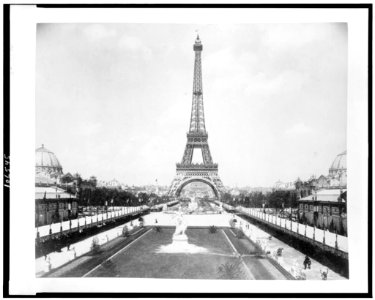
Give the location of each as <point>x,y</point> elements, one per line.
<point>22,144</point>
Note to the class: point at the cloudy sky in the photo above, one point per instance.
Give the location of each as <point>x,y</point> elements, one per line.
<point>114,100</point>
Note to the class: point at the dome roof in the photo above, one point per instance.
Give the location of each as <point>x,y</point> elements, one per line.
<point>339,164</point>
<point>45,158</point>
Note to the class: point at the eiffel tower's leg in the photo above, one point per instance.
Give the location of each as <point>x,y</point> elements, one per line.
<point>207,159</point>
<point>188,154</point>
<point>174,185</point>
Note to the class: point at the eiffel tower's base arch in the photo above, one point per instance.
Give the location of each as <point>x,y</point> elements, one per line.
<point>197,179</point>
<point>184,177</point>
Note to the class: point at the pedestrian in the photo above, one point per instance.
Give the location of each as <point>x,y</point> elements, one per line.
<point>307,262</point>
<point>324,274</point>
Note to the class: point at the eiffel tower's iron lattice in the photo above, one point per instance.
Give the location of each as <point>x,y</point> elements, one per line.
<point>187,171</point>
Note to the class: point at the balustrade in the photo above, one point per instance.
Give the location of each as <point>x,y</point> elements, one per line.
<point>325,237</point>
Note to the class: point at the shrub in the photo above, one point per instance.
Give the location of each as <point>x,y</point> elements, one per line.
<point>125,231</point>
<point>212,229</point>
<point>95,247</point>
<point>240,234</point>
<point>231,271</point>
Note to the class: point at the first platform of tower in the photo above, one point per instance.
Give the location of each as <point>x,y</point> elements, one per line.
<point>198,45</point>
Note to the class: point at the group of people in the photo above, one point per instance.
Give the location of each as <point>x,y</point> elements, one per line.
<point>307,265</point>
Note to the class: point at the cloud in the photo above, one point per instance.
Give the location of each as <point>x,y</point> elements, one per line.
<point>282,37</point>
<point>298,129</point>
<point>244,76</point>
<point>88,129</point>
<point>135,45</point>
<point>96,32</point>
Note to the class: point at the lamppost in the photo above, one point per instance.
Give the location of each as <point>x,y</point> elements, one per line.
<point>69,214</point>
<point>112,213</point>
<point>97,214</point>
<point>105,210</point>
<point>89,201</point>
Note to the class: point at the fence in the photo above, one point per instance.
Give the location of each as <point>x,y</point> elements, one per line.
<point>74,224</point>
<point>322,236</point>
<point>57,259</point>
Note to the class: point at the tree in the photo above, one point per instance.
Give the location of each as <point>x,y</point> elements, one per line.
<point>227,197</point>
<point>93,181</point>
<point>77,179</point>
<point>67,178</point>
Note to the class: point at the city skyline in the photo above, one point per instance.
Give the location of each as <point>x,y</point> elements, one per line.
<point>114,100</point>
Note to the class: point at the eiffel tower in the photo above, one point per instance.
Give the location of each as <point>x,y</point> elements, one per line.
<point>187,171</point>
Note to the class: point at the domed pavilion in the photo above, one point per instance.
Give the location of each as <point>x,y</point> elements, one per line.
<point>48,169</point>
<point>337,171</point>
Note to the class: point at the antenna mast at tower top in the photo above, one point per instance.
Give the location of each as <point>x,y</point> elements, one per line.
<point>197,122</point>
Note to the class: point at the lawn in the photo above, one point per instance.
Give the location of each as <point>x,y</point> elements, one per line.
<point>141,259</point>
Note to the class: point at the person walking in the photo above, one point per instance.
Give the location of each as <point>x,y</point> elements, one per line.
<point>324,274</point>
<point>307,262</point>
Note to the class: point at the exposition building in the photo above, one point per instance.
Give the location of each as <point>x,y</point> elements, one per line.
<point>52,201</point>
<point>323,203</point>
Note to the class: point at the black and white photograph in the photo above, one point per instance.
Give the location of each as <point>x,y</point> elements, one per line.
<point>212,147</point>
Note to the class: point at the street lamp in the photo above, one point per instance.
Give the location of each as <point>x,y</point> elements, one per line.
<point>112,213</point>
<point>70,214</point>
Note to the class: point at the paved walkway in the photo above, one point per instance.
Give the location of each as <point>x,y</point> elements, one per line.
<point>83,264</point>
<point>249,254</point>
<point>291,259</point>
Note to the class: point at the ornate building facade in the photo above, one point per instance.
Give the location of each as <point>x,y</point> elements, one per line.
<point>323,201</point>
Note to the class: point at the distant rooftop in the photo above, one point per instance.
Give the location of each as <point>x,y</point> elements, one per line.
<point>52,193</point>
<point>326,195</point>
